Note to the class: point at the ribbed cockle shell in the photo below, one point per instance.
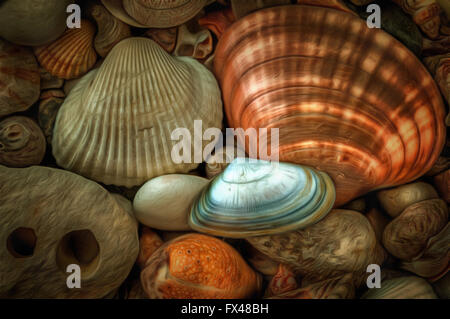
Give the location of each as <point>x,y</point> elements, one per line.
<point>342,95</point>
<point>255,197</point>
<point>115,126</point>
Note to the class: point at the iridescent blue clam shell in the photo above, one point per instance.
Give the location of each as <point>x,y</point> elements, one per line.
<point>255,197</point>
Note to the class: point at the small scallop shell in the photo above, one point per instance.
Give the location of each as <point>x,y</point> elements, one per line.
<point>19,78</point>
<point>407,235</point>
<point>410,287</point>
<point>110,30</point>
<point>196,266</point>
<point>103,134</point>
<point>343,242</point>
<point>71,55</point>
<point>164,202</point>
<point>397,199</point>
<point>442,182</point>
<point>255,197</point>
<point>163,13</point>
<point>22,142</point>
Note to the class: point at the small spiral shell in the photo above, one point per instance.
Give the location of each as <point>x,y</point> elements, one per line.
<point>22,142</point>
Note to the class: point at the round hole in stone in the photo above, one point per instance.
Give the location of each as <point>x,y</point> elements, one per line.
<point>21,242</point>
<point>78,247</point>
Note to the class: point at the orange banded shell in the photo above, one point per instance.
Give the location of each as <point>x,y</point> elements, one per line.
<point>72,55</point>
<point>196,266</point>
<point>348,100</point>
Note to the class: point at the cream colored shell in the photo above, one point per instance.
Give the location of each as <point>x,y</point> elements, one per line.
<point>115,126</point>
<point>164,202</point>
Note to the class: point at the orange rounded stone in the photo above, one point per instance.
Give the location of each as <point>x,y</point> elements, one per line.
<point>196,266</point>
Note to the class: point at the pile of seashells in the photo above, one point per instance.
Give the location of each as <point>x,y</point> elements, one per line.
<point>87,176</point>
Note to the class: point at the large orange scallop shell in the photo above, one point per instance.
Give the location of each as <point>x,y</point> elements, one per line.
<point>348,100</point>
<point>196,266</point>
<point>72,55</point>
